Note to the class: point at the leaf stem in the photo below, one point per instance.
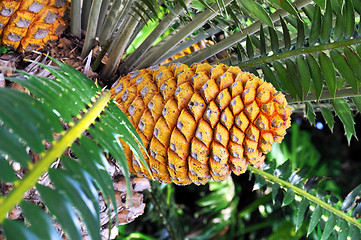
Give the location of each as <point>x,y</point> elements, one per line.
<point>102,14</point>
<point>326,95</point>
<point>299,51</point>
<point>203,54</point>
<point>38,169</point>
<point>154,197</point>
<point>259,226</point>
<point>254,205</point>
<point>186,30</point>
<point>119,45</point>
<point>76,18</point>
<point>303,193</point>
<point>191,40</point>
<point>91,27</point>
<point>85,12</point>
<point>163,25</point>
<point>114,19</point>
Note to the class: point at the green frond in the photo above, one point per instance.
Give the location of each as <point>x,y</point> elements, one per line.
<point>69,99</point>
<point>297,188</point>
<point>306,53</point>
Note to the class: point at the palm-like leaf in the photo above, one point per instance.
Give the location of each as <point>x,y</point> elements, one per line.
<point>307,55</point>
<point>27,122</point>
<point>298,188</point>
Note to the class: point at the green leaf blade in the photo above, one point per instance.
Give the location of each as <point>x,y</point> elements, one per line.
<point>344,69</point>
<point>316,75</point>
<point>283,78</point>
<point>356,233</point>
<point>287,6</point>
<point>98,169</point>
<point>328,72</point>
<point>316,25</point>
<point>303,206</point>
<point>343,111</point>
<point>34,128</point>
<point>315,218</point>
<point>289,197</point>
<point>286,34</point>
<point>326,26</point>
<point>357,102</point>
<point>11,145</point>
<point>249,47</point>
<point>328,116</point>
<point>339,28</point>
<point>259,183</point>
<point>75,192</point>
<point>349,14</point>
<point>84,196</point>
<point>293,77</point>
<point>330,224</point>
<point>354,61</point>
<point>304,74</point>
<point>270,77</point>
<point>275,189</point>
<point>350,198</point>
<point>7,173</point>
<point>62,210</point>
<point>262,41</point>
<point>275,46</point>
<point>15,230</point>
<point>40,222</point>
<point>300,33</point>
<point>258,11</point>
<point>344,230</point>
<point>310,113</point>
<point>43,90</point>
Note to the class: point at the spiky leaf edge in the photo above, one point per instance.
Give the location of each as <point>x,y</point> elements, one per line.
<point>59,146</point>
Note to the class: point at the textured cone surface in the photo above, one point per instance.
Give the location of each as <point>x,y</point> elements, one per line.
<point>201,122</point>
<point>29,24</point>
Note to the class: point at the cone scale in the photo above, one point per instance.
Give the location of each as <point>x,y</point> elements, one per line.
<point>26,25</point>
<point>200,122</point>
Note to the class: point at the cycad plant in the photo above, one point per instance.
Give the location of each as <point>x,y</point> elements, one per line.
<point>309,50</point>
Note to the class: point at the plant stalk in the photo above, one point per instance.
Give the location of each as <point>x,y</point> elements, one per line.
<point>101,55</point>
<point>163,25</point>
<point>188,29</point>
<point>102,14</point>
<point>191,41</point>
<point>112,19</point>
<point>162,214</point>
<point>119,44</point>
<point>299,51</point>
<point>303,193</point>
<point>85,11</point>
<point>58,148</point>
<point>326,95</point>
<point>75,27</point>
<point>91,28</point>
<point>237,37</point>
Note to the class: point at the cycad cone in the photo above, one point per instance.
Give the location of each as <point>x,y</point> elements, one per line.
<point>201,122</point>
<point>26,25</point>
